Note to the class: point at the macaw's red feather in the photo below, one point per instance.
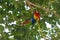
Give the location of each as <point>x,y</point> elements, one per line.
<point>26,21</point>
<point>36,15</point>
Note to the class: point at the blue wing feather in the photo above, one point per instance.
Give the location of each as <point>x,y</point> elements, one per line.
<point>33,21</point>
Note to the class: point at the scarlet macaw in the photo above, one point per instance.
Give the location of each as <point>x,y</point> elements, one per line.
<point>35,17</point>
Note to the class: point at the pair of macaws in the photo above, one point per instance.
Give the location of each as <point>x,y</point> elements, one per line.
<point>35,17</point>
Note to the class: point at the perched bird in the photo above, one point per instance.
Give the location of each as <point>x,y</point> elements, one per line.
<point>35,17</point>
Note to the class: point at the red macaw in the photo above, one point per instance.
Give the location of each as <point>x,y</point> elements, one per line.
<point>35,17</point>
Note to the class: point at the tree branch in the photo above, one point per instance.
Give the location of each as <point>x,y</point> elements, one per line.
<point>42,7</point>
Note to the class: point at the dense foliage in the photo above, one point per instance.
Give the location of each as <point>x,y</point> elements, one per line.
<point>13,12</point>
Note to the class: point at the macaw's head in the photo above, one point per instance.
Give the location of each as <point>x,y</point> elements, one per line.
<point>36,15</point>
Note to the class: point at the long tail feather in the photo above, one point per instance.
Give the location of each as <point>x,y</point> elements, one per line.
<point>25,22</point>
